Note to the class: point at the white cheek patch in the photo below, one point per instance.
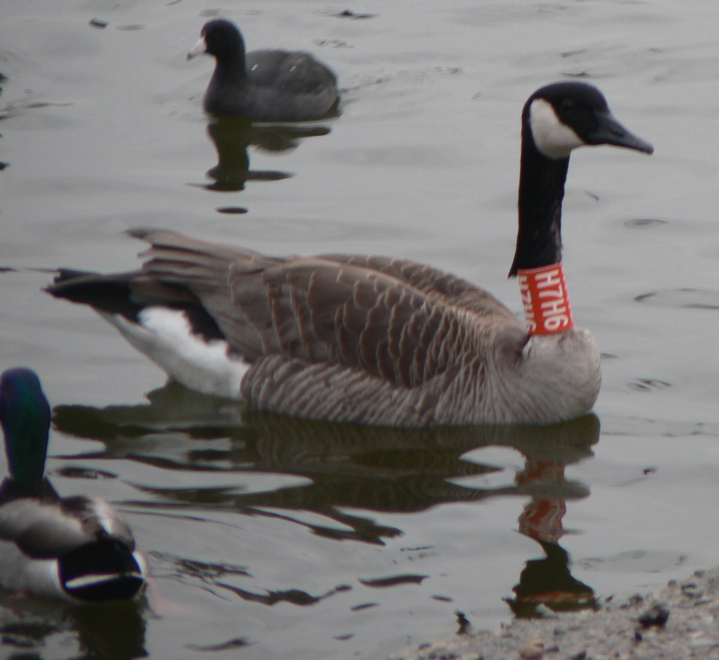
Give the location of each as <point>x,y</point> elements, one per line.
<point>553,138</point>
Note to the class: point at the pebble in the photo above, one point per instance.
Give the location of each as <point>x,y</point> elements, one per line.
<point>533,650</point>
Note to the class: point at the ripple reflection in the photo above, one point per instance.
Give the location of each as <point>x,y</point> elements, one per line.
<point>347,473</point>
<point>233,138</point>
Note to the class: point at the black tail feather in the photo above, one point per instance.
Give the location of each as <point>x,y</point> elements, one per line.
<point>105,293</point>
<point>127,294</point>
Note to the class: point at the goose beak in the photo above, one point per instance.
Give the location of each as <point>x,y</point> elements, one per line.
<point>610,131</point>
<point>198,49</point>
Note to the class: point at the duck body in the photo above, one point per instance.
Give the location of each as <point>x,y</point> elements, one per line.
<point>270,85</point>
<point>376,340</point>
<point>75,548</point>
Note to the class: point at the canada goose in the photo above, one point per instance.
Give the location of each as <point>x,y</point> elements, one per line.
<point>263,85</point>
<point>74,548</point>
<point>377,340</point>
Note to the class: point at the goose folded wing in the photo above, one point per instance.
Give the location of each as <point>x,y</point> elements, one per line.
<point>322,311</point>
<point>430,281</point>
<point>393,319</point>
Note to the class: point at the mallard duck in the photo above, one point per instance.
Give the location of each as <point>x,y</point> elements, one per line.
<point>263,85</point>
<point>74,548</point>
<point>376,340</point>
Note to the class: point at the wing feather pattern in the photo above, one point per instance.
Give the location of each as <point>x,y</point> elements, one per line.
<point>391,318</point>
<point>330,330</point>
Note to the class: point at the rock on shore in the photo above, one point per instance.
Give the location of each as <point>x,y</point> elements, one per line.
<point>679,623</point>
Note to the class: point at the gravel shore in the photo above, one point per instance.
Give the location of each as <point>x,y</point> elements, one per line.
<point>681,622</point>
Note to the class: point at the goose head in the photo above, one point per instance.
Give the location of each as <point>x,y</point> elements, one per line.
<point>562,116</point>
<point>25,417</point>
<point>557,119</point>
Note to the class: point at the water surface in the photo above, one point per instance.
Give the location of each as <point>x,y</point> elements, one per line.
<point>271,538</point>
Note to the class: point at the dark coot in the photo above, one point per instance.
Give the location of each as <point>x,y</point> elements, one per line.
<point>264,85</point>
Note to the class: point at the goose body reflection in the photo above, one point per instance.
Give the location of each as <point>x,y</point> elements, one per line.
<point>352,480</point>
<point>343,468</point>
<point>376,340</point>
<point>74,548</point>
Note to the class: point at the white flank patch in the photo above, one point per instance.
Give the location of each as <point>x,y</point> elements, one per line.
<point>553,138</point>
<point>164,336</point>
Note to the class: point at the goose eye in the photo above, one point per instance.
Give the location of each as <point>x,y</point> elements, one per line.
<point>567,104</point>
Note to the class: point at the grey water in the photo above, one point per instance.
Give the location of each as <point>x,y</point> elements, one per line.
<point>276,538</point>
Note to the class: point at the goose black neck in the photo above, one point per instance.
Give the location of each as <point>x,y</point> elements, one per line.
<point>541,191</point>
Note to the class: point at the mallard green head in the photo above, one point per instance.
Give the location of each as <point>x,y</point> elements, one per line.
<point>25,418</point>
